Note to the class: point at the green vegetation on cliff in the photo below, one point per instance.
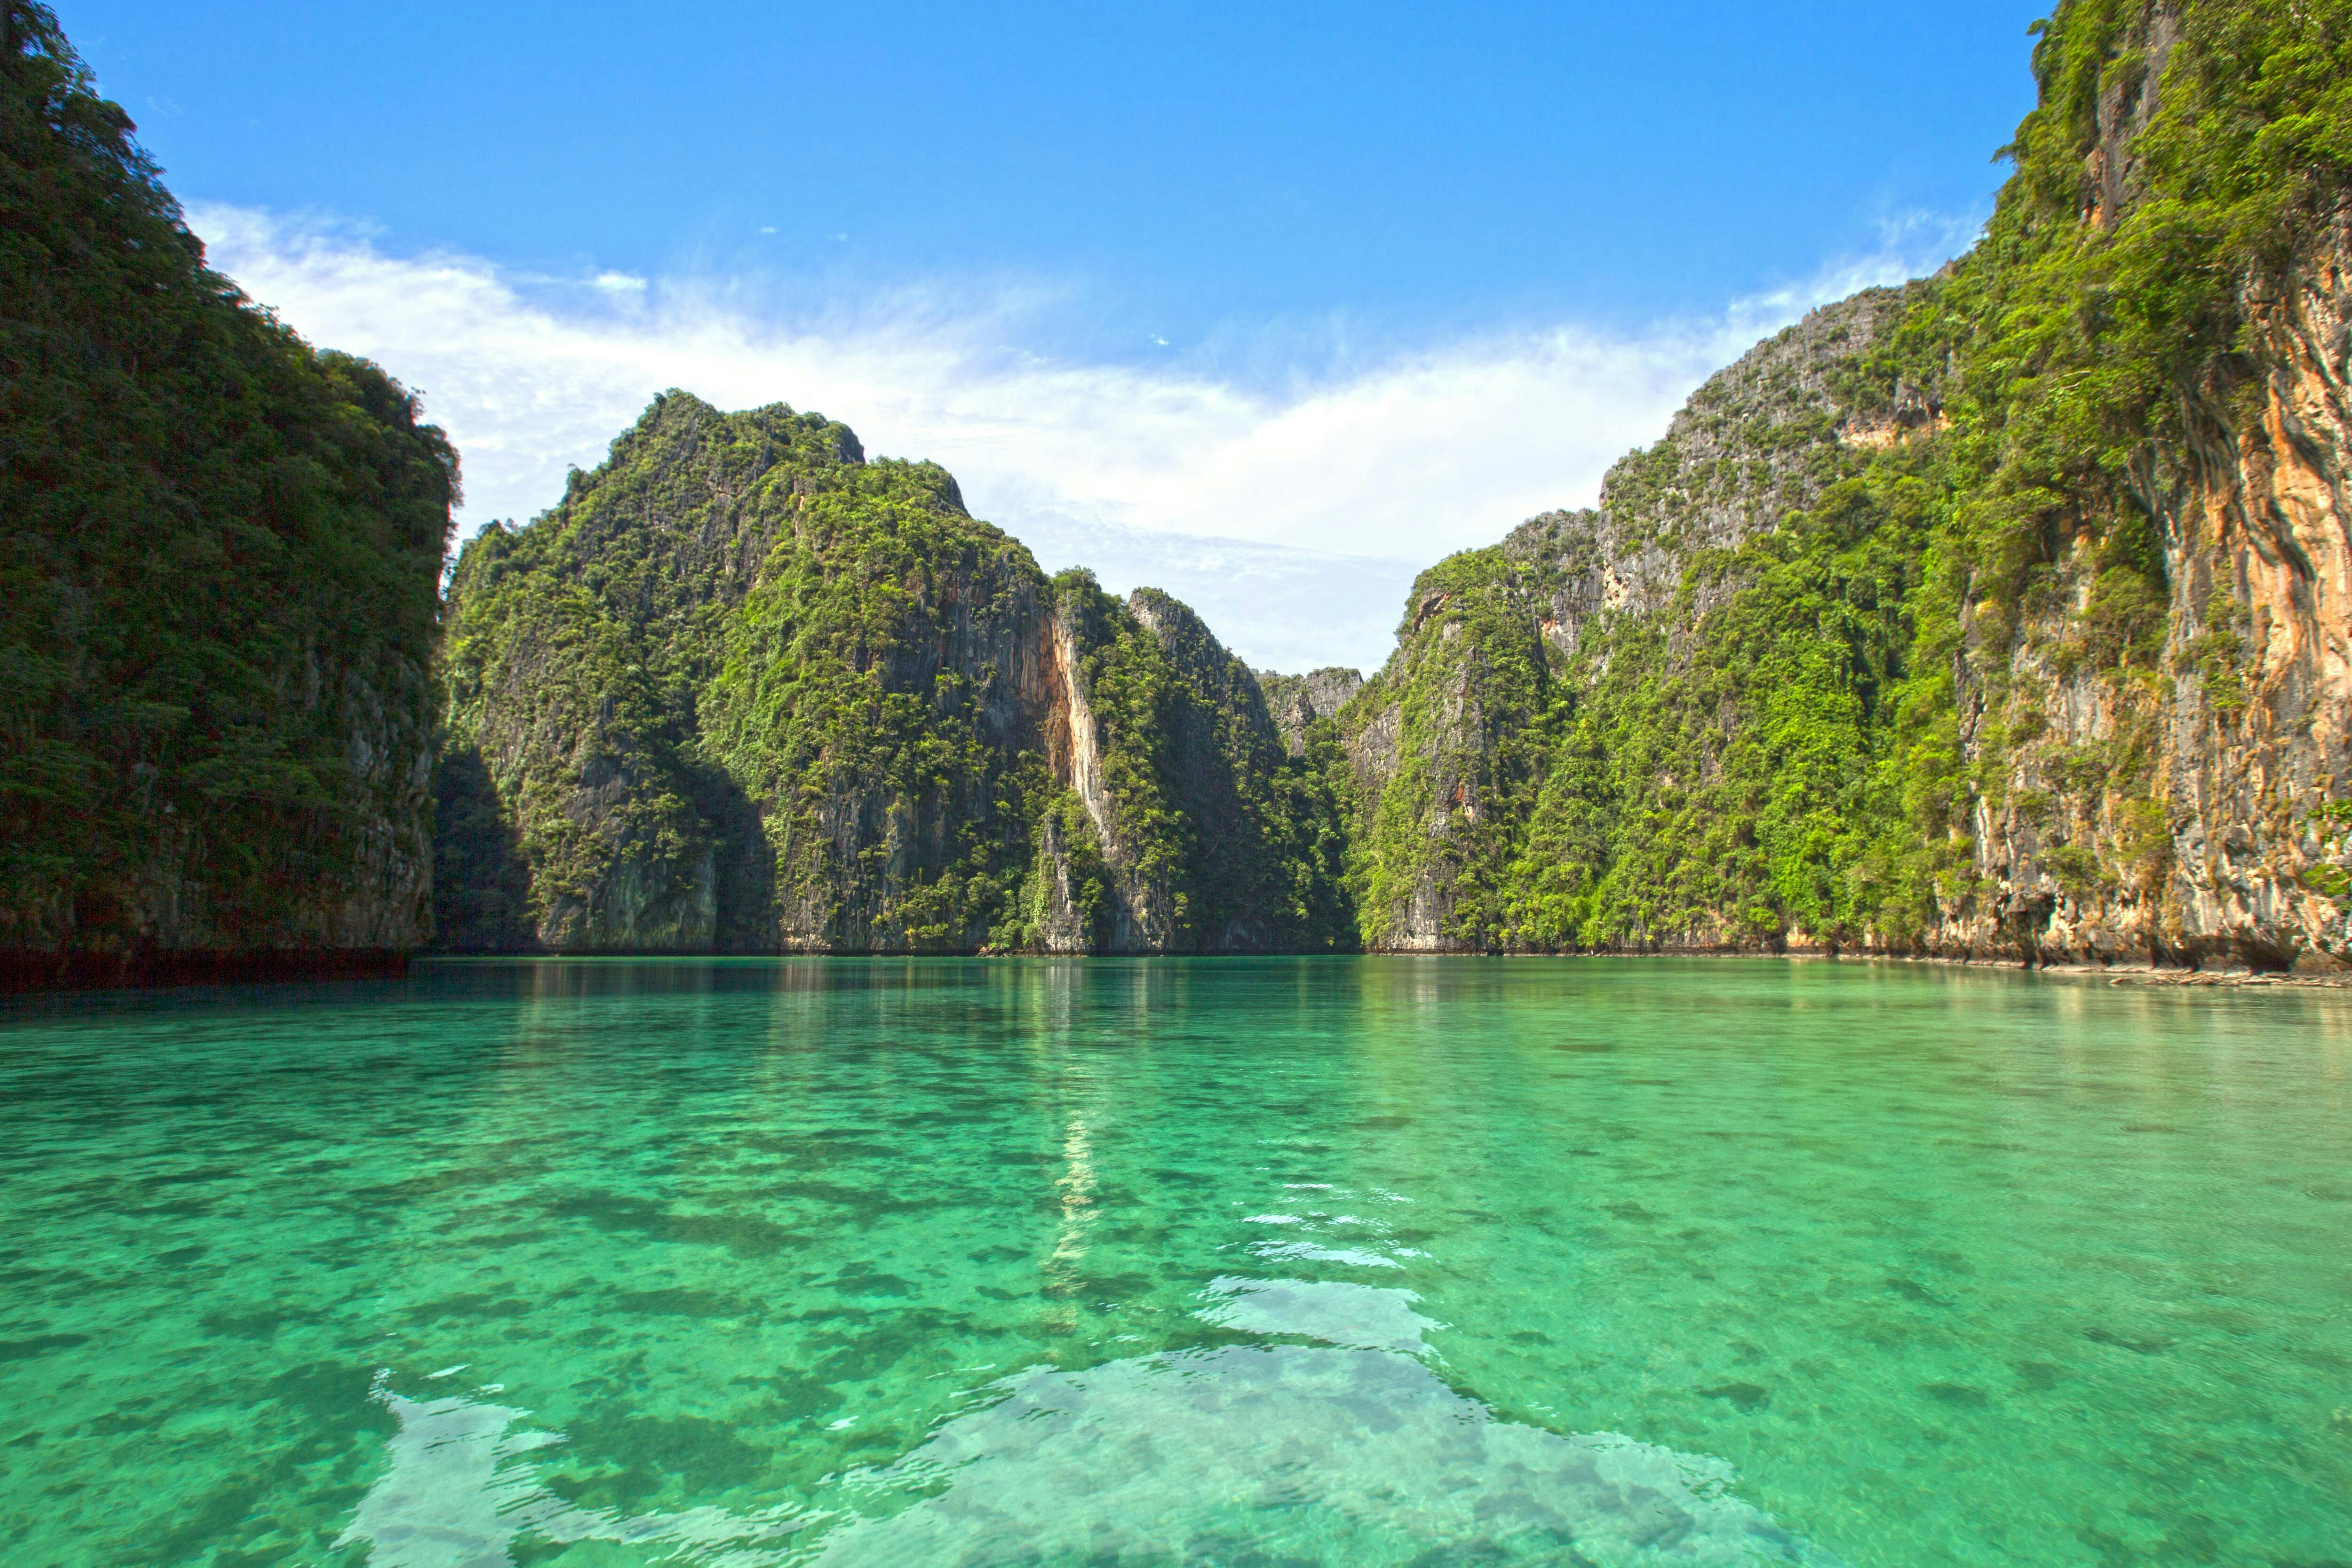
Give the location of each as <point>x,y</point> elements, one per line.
<point>733,607</point>
<point>217,577</point>
<point>1463,703</point>
<point>1903,581</point>
<point>839,704</point>
<point>744,690</point>
<point>1771,690</point>
<point>1264,838</point>
<point>1654,719</point>
<point>1951,614</point>
<point>2091,352</point>
<point>1742,796</point>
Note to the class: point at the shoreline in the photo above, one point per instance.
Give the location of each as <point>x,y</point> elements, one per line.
<point>35,974</point>
<point>2115,974</point>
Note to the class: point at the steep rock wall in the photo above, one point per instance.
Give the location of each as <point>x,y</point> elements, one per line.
<point>2243,718</point>
<point>1132,911</point>
<point>1450,745</point>
<point>1296,703</point>
<point>1264,863</point>
<point>1761,438</point>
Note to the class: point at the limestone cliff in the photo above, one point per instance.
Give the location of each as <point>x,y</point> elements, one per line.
<point>1268,844</point>
<point>1450,743</point>
<point>2234,850</point>
<point>2000,616</point>
<point>744,691</point>
<point>2156,729</point>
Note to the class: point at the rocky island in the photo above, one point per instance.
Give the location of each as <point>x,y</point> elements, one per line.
<point>2002,615</point>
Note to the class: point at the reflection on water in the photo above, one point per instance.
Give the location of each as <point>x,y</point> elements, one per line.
<point>1347,1451</point>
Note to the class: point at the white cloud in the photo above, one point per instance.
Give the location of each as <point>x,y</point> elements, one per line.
<point>1401,460</point>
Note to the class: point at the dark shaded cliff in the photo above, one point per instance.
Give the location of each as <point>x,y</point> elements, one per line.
<point>219,558</point>
<point>744,691</point>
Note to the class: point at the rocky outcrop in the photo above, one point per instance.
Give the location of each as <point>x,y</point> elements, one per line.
<point>2000,617</point>
<point>1449,743</point>
<point>1296,703</point>
<point>2004,616</point>
<point>2232,853</point>
<point>2191,816</point>
<point>1134,912</point>
<point>1759,439</point>
<point>1264,864</point>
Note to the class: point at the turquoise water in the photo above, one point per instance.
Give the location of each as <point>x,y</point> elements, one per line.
<point>1284,1262</point>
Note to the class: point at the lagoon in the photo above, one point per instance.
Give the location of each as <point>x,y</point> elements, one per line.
<point>1282,1261</point>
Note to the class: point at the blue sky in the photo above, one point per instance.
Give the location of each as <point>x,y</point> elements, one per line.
<point>1253,248</point>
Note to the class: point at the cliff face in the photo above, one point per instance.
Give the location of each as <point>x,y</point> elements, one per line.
<point>2000,616</point>
<point>217,594</point>
<point>1760,439</point>
<point>2155,725</point>
<point>743,691</point>
<point>1265,861</point>
<point>2241,732</point>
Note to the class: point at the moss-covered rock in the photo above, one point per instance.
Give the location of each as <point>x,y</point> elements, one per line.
<point>1296,701</point>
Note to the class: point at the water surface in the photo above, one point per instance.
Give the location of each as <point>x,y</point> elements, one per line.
<point>1284,1262</point>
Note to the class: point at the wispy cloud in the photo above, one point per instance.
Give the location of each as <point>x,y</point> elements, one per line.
<point>1399,460</point>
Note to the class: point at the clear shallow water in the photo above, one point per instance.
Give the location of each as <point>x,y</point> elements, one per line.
<point>1283,1262</point>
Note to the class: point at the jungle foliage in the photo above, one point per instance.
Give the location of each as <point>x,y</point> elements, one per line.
<point>742,688</point>
<point>219,557</point>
